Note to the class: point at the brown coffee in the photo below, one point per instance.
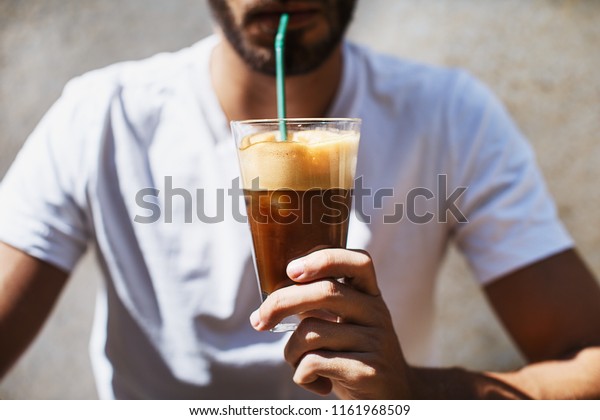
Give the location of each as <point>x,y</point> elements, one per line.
<point>298,196</point>
<point>288,224</point>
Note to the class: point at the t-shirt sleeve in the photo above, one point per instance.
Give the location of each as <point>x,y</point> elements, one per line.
<point>43,194</point>
<point>511,218</point>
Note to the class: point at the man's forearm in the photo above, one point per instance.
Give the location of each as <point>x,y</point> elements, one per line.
<point>28,290</point>
<point>576,377</point>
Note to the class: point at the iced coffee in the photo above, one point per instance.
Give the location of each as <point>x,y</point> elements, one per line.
<point>298,191</point>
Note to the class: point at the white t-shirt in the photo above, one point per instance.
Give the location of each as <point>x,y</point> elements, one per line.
<point>172,321</point>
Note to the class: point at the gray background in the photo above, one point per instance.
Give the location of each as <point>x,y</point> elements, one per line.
<point>540,56</point>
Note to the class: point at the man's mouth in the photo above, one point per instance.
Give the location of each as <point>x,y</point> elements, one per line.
<point>267,17</point>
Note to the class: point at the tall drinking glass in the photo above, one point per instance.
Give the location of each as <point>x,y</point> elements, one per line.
<point>298,191</point>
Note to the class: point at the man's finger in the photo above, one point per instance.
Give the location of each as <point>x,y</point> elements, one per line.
<point>354,265</point>
<point>321,386</point>
<point>317,334</point>
<point>331,296</point>
<point>347,367</point>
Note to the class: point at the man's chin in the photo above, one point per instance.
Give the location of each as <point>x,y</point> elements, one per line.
<point>301,55</point>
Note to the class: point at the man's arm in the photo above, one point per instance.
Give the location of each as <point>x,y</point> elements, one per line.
<point>551,308</point>
<point>28,290</point>
<point>552,311</point>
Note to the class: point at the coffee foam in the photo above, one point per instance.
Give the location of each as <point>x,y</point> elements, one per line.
<point>308,159</point>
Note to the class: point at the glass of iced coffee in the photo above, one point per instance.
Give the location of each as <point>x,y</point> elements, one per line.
<point>298,191</point>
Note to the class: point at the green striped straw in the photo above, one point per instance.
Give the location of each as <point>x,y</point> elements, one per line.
<point>280,73</point>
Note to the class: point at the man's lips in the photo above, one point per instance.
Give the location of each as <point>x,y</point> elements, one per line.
<point>268,17</point>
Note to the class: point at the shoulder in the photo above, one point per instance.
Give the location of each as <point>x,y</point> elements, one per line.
<point>407,80</point>
<point>128,96</point>
<point>121,101</point>
<point>138,80</point>
<point>437,96</point>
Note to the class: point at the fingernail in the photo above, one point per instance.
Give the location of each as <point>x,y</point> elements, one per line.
<point>296,268</point>
<point>255,319</point>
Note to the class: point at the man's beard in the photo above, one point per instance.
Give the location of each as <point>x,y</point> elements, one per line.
<point>299,58</point>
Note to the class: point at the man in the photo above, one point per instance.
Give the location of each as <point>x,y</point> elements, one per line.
<point>173,319</point>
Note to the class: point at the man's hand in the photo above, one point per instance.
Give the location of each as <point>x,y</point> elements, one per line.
<point>346,341</point>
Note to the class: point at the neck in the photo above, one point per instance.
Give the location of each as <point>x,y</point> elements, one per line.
<point>247,94</point>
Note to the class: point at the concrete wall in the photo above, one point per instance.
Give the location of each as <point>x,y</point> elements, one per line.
<point>540,56</point>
